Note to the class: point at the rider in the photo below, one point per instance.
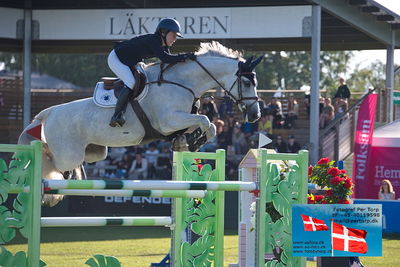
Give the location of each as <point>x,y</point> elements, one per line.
<point>127,54</point>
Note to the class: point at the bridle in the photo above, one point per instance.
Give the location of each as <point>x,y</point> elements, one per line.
<point>238,101</point>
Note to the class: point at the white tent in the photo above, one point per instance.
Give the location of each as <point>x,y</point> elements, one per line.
<point>387,135</point>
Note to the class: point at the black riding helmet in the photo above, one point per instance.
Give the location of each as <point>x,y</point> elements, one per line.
<point>171,25</point>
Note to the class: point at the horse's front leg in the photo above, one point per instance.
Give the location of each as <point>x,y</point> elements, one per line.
<point>180,120</point>
<point>210,133</point>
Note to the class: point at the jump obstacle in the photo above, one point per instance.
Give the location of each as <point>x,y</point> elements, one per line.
<point>198,205</point>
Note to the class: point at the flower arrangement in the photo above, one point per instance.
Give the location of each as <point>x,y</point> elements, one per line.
<point>336,182</point>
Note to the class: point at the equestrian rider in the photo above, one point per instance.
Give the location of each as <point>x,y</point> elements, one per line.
<point>127,54</point>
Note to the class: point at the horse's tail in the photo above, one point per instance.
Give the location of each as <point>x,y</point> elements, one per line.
<point>24,138</point>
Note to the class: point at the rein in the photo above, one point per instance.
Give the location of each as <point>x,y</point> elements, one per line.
<point>239,101</point>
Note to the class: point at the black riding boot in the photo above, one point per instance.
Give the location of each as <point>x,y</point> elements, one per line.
<point>118,119</point>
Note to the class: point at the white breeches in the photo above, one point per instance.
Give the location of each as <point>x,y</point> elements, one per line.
<point>121,70</point>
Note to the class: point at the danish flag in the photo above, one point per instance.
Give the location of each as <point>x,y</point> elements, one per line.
<point>348,239</point>
<point>312,224</point>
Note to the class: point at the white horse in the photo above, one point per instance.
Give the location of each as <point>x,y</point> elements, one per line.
<point>78,131</point>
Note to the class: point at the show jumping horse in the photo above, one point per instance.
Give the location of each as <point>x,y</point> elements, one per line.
<point>78,131</point>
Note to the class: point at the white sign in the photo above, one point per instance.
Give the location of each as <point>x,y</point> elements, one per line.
<point>196,23</point>
<point>8,22</point>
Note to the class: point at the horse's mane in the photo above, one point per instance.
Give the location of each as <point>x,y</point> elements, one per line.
<point>216,49</point>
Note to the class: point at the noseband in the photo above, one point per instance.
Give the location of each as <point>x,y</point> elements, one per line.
<point>238,101</point>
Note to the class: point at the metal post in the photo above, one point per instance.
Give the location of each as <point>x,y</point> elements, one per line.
<point>315,73</point>
<point>390,75</point>
<point>27,62</point>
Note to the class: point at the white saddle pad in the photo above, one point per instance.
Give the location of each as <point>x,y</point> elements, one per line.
<point>106,98</point>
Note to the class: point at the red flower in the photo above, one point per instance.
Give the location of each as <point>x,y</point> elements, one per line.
<point>344,201</point>
<point>348,183</point>
<point>324,201</point>
<point>333,171</point>
<point>310,200</point>
<point>198,163</point>
<point>329,193</point>
<point>323,161</point>
<point>336,180</point>
<point>342,171</point>
<point>318,197</point>
<point>310,170</point>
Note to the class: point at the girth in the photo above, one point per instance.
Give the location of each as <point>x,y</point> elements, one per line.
<point>151,134</point>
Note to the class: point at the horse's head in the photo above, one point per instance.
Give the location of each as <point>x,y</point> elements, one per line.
<point>244,90</point>
<point>235,76</point>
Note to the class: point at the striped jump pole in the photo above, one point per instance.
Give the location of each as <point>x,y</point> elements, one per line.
<point>105,221</point>
<point>147,185</point>
<point>129,193</point>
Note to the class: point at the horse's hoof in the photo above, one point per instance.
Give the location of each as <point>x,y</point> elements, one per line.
<point>51,200</point>
<point>179,144</point>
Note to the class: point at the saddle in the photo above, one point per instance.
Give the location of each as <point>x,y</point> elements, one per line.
<point>117,84</point>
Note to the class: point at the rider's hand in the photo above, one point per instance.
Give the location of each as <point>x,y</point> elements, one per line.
<point>191,56</point>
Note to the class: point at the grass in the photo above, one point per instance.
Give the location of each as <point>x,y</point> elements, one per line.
<point>139,246</point>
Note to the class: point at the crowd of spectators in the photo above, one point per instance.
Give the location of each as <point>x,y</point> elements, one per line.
<point>154,161</point>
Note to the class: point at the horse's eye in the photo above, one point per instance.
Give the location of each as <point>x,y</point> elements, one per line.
<point>246,83</point>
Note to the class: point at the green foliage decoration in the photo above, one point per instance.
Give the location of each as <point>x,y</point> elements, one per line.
<point>103,261</point>
<point>200,217</point>
<point>282,193</point>
<point>7,259</point>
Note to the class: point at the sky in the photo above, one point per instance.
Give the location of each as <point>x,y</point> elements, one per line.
<point>365,57</point>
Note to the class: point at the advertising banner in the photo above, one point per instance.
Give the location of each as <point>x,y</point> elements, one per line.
<point>362,145</point>
<point>337,230</point>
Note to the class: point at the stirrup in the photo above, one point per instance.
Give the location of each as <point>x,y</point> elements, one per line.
<point>117,121</point>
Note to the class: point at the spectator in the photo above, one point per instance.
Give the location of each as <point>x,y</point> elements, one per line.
<point>327,115</point>
<point>265,125</point>
<point>230,121</point>
<point>293,146</point>
<point>164,164</point>
<point>138,169</point>
<point>262,105</point>
<point>280,146</point>
<point>307,103</point>
<point>1,101</point>
<point>225,107</point>
<point>274,108</point>
<point>342,94</point>
<point>239,141</point>
<point>386,191</point>
<point>248,128</point>
<point>341,107</point>
<point>151,156</point>
<point>212,144</point>
<point>116,153</point>
<point>123,166</point>
<point>224,137</point>
<point>209,108</point>
<point>293,112</point>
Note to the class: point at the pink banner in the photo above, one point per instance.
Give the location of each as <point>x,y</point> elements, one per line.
<point>383,164</point>
<point>362,145</point>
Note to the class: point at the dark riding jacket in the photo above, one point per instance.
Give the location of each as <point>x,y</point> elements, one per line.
<point>132,51</point>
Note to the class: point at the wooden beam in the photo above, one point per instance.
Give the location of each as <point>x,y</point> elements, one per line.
<point>384,18</point>
<point>357,2</point>
<point>370,9</point>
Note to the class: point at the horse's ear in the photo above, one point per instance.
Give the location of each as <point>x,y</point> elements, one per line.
<point>255,62</point>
